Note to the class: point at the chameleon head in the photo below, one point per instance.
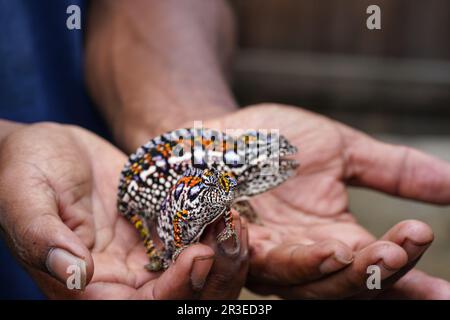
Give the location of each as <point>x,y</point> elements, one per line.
<point>223,184</point>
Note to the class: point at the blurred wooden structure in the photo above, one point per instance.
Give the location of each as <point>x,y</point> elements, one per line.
<point>319,54</point>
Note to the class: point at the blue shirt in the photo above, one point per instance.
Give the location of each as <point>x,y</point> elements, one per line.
<point>41,79</point>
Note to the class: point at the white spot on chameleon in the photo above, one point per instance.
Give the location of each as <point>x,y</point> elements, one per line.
<point>144,174</point>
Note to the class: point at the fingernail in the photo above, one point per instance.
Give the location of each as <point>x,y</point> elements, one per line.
<point>244,238</point>
<point>67,268</point>
<point>200,271</point>
<point>244,223</point>
<point>383,265</point>
<point>335,262</point>
<point>413,249</point>
<point>230,246</point>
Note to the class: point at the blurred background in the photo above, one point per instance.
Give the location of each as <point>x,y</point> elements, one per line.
<point>393,83</point>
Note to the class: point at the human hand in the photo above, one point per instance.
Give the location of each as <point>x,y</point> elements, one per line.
<point>309,245</point>
<point>58,208</point>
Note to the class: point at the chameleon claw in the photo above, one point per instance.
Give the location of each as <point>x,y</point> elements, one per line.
<point>155,264</point>
<point>226,234</point>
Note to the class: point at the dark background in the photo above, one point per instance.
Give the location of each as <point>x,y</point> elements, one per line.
<point>320,55</point>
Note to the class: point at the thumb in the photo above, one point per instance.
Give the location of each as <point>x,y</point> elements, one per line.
<point>46,244</point>
<point>38,237</point>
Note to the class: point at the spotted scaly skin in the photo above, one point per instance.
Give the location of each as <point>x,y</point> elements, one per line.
<point>183,180</point>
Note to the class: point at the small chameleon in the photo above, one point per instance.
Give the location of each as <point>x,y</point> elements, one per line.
<point>183,180</point>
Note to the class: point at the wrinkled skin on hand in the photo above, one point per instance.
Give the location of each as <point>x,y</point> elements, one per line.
<point>309,245</point>
<point>58,188</point>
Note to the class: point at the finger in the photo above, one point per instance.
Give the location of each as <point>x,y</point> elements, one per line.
<point>387,256</point>
<point>418,285</point>
<point>36,234</point>
<point>397,170</point>
<point>413,236</point>
<point>228,274</point>
<point>184,279</point>
<point>292,264</point>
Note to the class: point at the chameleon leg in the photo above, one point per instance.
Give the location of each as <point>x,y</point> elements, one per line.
<point>155,261</point>
<point>229,229</point>
<point>179,247</point>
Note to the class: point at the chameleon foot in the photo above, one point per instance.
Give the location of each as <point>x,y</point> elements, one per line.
<point>226,234</point>
<point>156,264</point>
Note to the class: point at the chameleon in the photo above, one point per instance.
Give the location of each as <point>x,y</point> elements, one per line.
<point>183,180</point>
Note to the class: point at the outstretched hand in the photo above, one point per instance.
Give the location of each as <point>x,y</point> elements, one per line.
<point>58,208</point>
<point>309,245</point>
